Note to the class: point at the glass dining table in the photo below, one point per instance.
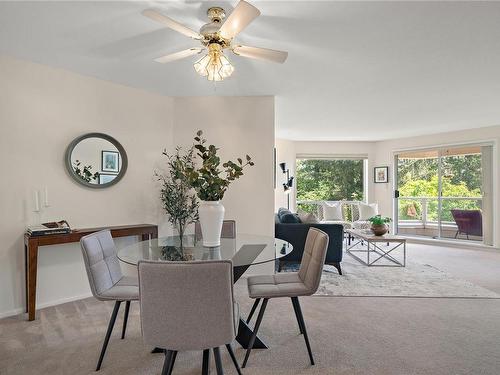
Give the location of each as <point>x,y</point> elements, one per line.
<point>245,250</point>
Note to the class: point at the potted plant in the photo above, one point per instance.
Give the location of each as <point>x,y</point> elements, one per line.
<point>379,224</point>
<point>211,182</point>
<point>178,198</point>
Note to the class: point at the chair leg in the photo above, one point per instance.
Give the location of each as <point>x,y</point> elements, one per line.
<point>108,333</point>
<point>255,331</point>
<point>205,368</point>
<point>218,361</point>
<point>125,318</point>
<point>233,358</point>
<point>168,361</point>
<point>254,307</point>
<point>303,324</point>
<point>172,362</point>
<point>297,316</point>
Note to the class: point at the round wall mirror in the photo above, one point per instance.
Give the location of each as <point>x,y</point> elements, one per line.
<point>96,160</point>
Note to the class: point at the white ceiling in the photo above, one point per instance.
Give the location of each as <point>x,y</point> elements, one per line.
<point>356,70</point>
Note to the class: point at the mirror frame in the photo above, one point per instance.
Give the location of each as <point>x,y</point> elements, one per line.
<point>74,176</point>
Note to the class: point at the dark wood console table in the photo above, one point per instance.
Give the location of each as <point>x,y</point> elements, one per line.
<point>31,244</point>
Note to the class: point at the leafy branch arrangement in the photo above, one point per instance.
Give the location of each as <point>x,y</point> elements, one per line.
<point>84,172</point>
<point>210,181</point>
<point>176,194</point>
<point>379,220</point>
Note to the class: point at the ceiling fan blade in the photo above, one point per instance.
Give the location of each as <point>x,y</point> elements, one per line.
<point>241,16</point>
<point>170,23</point>
<point>179,55</point>
<point>261,53</point>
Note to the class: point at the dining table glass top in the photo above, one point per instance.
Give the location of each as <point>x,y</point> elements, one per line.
<point>244,250</point>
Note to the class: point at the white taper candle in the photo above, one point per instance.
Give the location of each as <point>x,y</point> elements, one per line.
<point>37,201</point>
<point>46,197</point>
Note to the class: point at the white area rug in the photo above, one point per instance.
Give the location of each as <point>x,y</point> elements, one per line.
<point>414,280</point>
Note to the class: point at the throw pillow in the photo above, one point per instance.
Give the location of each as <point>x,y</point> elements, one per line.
<point>366,211</point>
<point>289,218</point>
<point>332,212</point>
<point>307,217</point>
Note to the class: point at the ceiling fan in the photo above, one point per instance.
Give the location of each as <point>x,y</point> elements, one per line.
<point>215,37</point>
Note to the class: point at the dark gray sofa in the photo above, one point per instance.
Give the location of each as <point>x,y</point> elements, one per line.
<point>296,234</point>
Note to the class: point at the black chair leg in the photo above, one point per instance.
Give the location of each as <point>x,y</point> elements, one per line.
<point>218,362</point>
<point>254,307</point>
<point>233,358</point>
<point>168,361</point>
<point>297,316</point>
<point>172,362</point>
<point>108,333</point>
<point>303,324</point>
<point>337,266</point>
<point>255,331</point>
<point>125,318</point>
<point>205,368</point>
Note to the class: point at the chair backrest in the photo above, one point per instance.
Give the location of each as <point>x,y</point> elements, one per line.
<point>187,305</point>
<point>469,222</point>
<point>101,261</point>
<point>313,259</point>
<point>228,229</point>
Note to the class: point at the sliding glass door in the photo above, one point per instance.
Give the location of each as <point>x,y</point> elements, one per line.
<point>445,193</point>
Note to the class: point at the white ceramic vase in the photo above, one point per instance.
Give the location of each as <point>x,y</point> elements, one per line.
<point>211,215</point>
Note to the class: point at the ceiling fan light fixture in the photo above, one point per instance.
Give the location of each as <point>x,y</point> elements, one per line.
<point>214,65</point>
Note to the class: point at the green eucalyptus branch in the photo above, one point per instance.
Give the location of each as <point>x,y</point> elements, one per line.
<point>209,180</point>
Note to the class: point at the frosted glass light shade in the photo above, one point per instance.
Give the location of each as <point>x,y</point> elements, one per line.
<point>214,65</point>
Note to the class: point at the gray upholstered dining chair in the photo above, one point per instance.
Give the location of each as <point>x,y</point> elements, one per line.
<point>305,282</point>
<point>188,306</point>
<point>228,229</point>
<point>107,282</point>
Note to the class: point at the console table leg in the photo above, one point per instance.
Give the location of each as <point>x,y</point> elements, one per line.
<point>26,302</point>
<point>32,268</point>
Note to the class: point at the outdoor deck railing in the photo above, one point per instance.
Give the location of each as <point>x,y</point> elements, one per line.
<point>425,210</point>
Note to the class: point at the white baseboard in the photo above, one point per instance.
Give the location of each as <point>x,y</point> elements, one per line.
<point>20,310</point>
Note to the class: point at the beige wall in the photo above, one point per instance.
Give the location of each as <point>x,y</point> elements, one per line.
<point>43,109</point>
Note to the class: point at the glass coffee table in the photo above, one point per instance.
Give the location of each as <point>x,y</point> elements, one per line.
<point>245,250</point>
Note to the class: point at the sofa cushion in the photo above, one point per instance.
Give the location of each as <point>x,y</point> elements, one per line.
<point>332,211</point>
<point>361,224</point>
<point>307,217</point>
<point>282,210</point>
<point>290,218</point>
<point>366,211</point>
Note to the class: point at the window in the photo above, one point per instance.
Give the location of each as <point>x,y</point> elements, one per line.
<point>445,192</point>
<point>330,179</point>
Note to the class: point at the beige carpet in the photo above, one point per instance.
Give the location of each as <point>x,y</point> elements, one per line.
<point>348,336</point>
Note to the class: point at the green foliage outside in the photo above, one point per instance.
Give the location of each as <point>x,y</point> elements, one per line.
<point>419,178</point>
<point>329,180</point>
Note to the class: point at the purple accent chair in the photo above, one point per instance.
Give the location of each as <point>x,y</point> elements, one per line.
<point>469,222</point>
